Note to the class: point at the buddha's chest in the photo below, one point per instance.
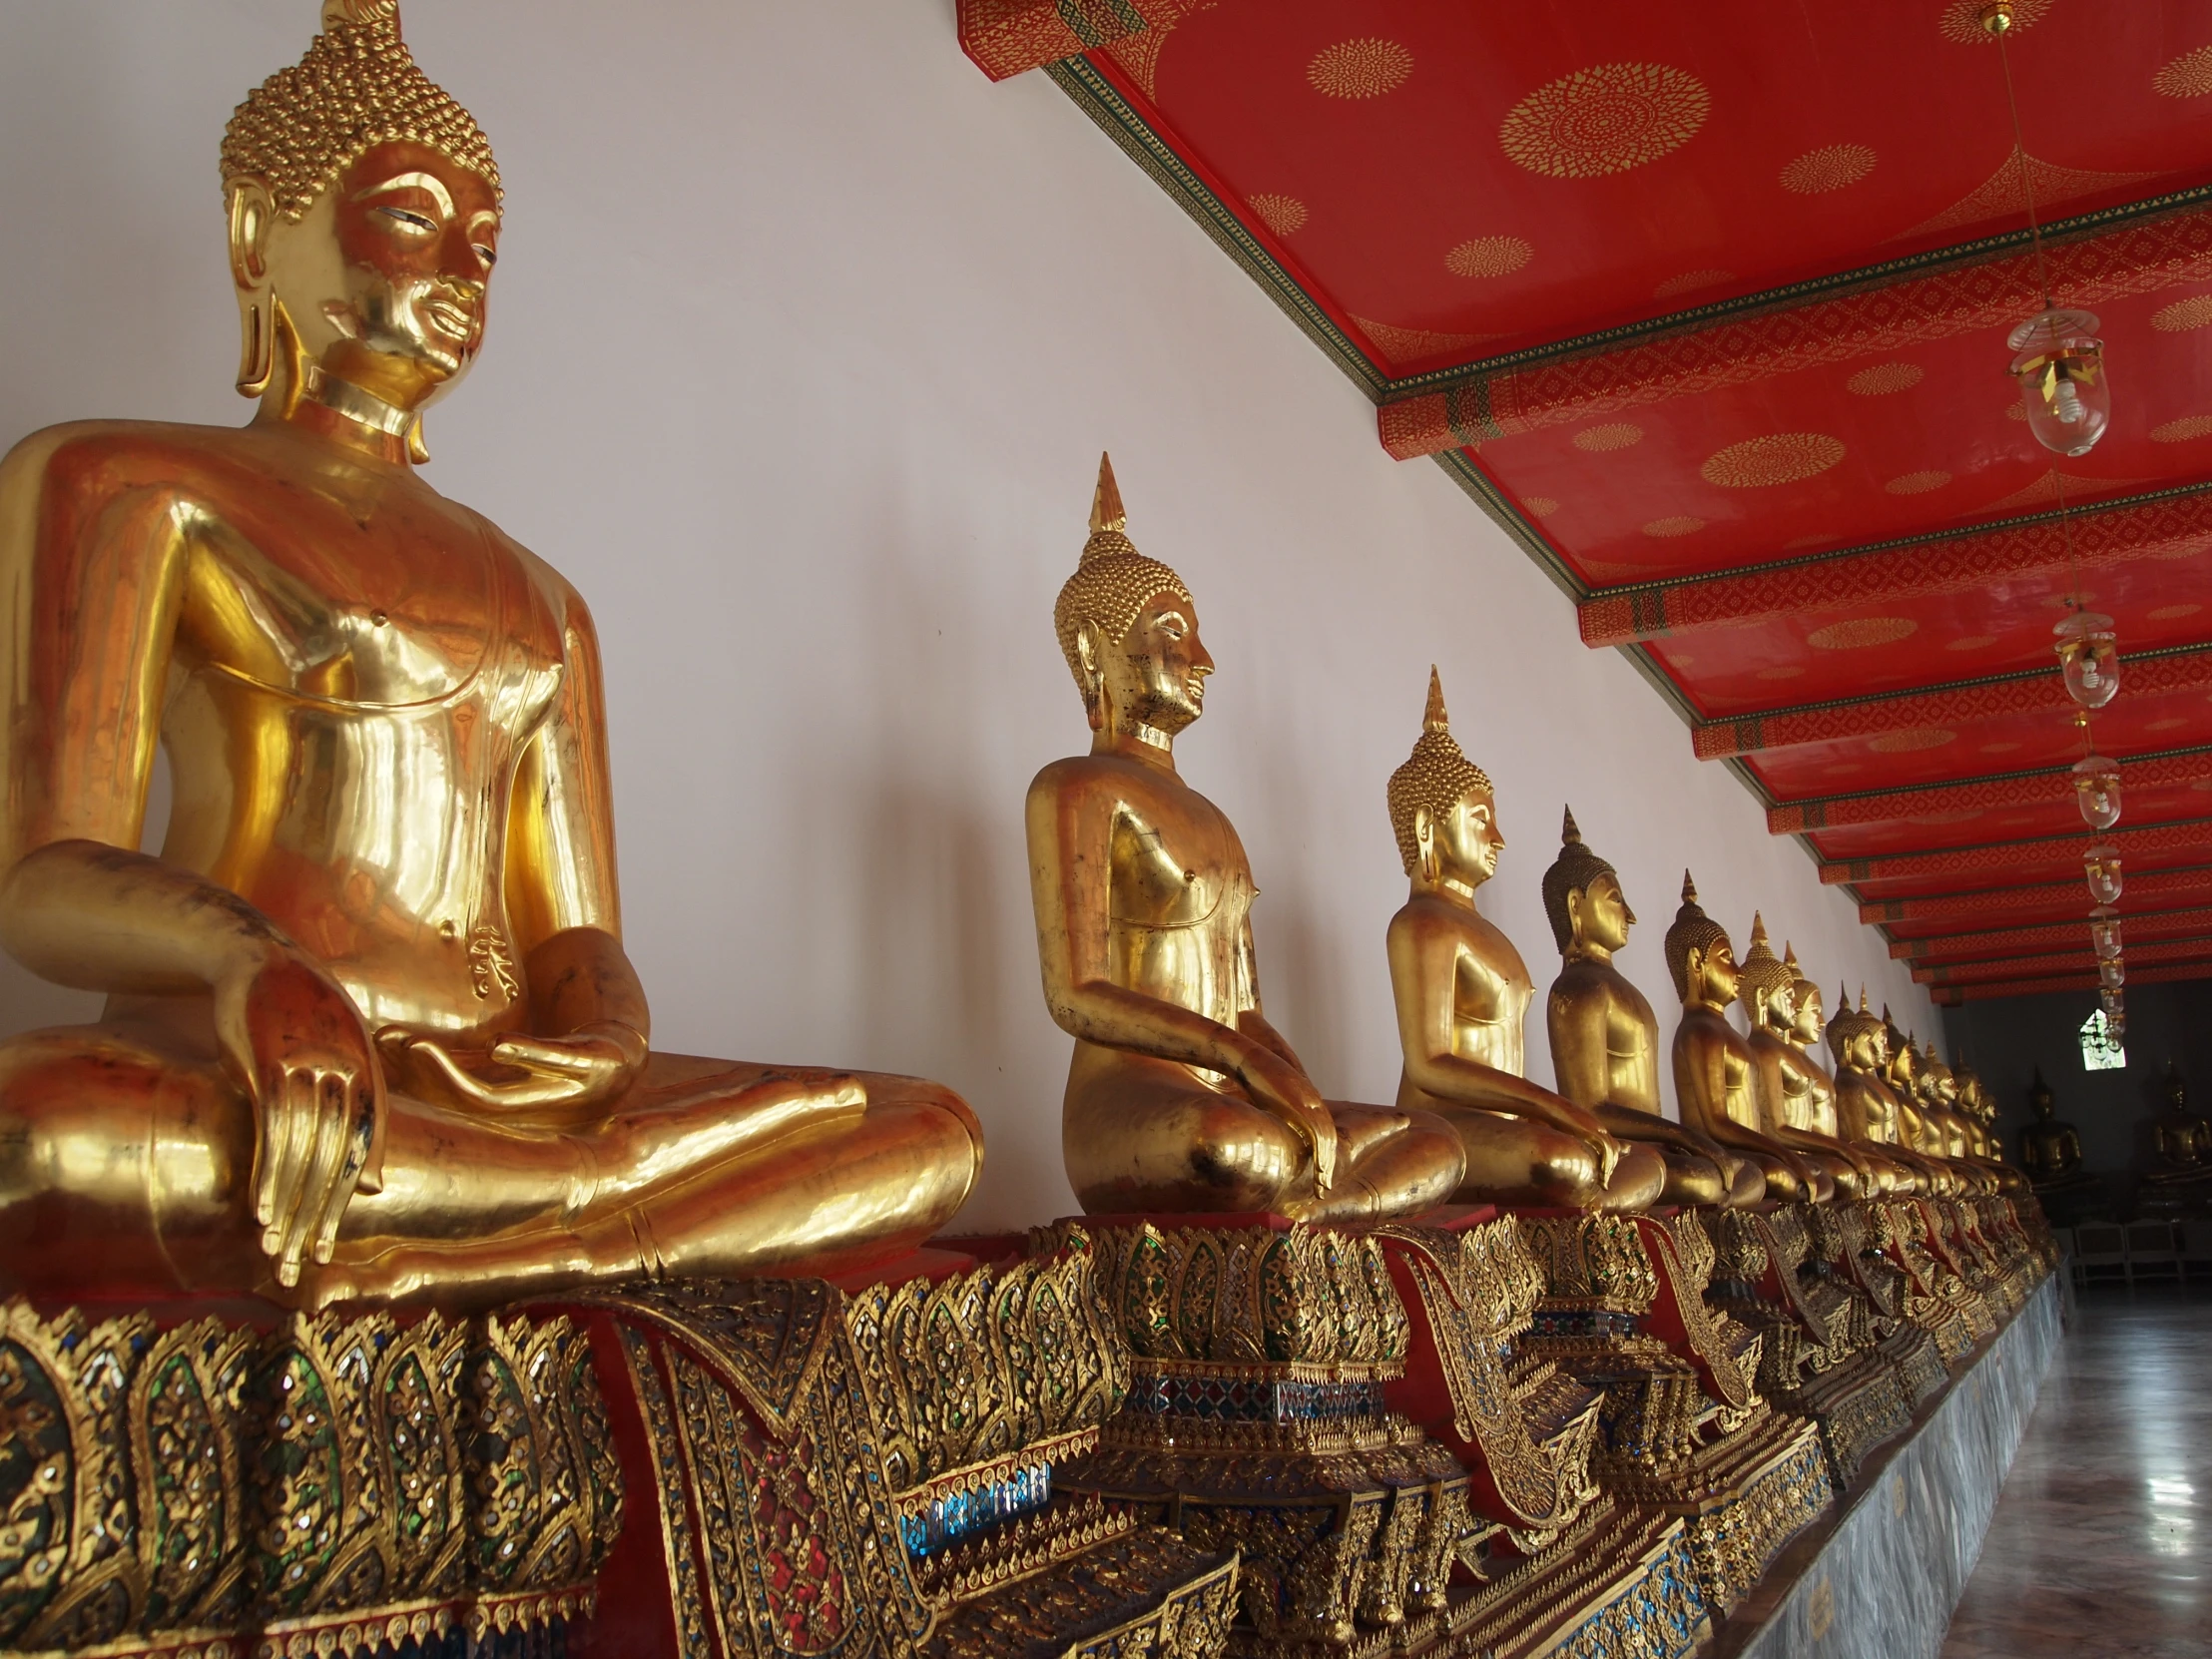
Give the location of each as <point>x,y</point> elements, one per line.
<point>1177,863</point>
<point>376,606</point>
<point>1490,984</point>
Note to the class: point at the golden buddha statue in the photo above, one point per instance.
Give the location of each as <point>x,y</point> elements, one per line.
<point>1879,1175</point>
<point>2050,1148</point>
<point>1605,1038</point>
<point>1462,995</point>
<point>1180,1096</point>
<point>1785,1090</point>
<point>1715,1073</point>
<point>1866,1107</point>
<point>2183,1143</point>
<point>371,1031</point>
<point>1918,1127</point>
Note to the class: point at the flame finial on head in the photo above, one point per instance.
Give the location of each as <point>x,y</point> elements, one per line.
<point>1112,579</point>
<point>1572,871</point>
<point>1438,775</point>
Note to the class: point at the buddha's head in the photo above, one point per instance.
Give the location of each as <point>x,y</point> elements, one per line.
<point>1855,1038</point>
<point>1901,1059</point>
<point>1589,913</point>
<point>1442,808</point>
<point>1810,1020</point>
<point>1699,956</point>
<point>1767,984</point>
<point>1130,631</point>
<point>1939,1084</point>
<point>365,222</point>
<point>2039,1096</point>
<point>2176,1091</point>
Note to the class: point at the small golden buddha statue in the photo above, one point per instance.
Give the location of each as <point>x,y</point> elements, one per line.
<point>1785,1090</point>
<point>1462,995</point>
<point>1901,1072</point>
<point>2050,1148</point>
<point>1879,1175</point>
<point>1605,1038</point>
<point>1866,1107</point>
<point>371,1030</point>
<point>1180,1096</point>
<point>1715,1079</point>
<point>2182,1141</point>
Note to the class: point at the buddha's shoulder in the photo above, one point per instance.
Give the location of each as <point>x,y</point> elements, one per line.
<point>1109,779</point>
<point>95,441</point>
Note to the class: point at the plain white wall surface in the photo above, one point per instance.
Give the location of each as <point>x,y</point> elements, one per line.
<point>804,345</point>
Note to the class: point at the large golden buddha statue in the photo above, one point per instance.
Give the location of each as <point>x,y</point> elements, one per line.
<point>1605,1038</point>
<point>2050,1147</point>
<point>1462,995</point>
<point>371,1030</point>
<point>1180,1096</point>
<point>1715,1073</point>
<point>1789,1084</point>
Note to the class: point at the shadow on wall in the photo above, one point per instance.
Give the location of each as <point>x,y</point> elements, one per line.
<point>2006,1040</point>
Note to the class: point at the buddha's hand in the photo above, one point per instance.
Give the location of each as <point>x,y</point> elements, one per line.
<point>1609,1152</point>
<point>594,1063</point>
<point>1281,1088</point>
<point>289,1033</point>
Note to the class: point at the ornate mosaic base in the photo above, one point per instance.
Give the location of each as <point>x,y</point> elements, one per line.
<point>1859,1402</point>
<point>881,1473</point>
<point>1919,1363</point>
<point>1620,1582</point>
<point>317,1486</point>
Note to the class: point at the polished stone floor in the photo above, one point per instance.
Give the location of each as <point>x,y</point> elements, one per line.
<point>2101,1546</point>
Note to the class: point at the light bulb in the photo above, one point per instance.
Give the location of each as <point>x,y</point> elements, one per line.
<point>2115,1027</point>
<point>2112,1002</point>
<point>2059,364</point>
<point>2105,931</point>
<point>2113,973</point>
<point>2090,657</point>
<point>2098,790</point>
<point>2101,864</point>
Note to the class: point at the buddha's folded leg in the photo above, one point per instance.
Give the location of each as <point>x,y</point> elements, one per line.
<point>1389,1161</point>
<point>124,1157</point>
<point>1514,1161</point>
<point>1691,1178</point>
<point>1783,1184</point>
<point>1141,1137</point>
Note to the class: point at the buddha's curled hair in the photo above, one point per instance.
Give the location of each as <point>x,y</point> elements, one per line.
<point>1112,580</point>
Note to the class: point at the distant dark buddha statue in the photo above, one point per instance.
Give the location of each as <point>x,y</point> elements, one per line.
<point>2183,1143</point>
<point>2050,1150</point>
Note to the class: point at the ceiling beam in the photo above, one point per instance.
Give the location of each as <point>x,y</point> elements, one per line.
<point>2047,786</point>
<point>1003,38</point>
<point>1981,865</point>
<point>2033,903</point>
<point>1941,707</point>
<point>2172,522</point>
<point>1952,996</point>
<point>1999,942</point>
<point>1859,314</point>
<point>2082,960</point>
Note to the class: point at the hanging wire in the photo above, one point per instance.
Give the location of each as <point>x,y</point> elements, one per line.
<point>1997,30</point>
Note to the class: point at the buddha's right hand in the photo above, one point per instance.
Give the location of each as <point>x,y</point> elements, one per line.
<point>1283,1089</point>
<point>295,1041</point>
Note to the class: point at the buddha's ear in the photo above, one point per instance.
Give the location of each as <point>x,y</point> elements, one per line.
<point>1424,841</point>
<point>1577,897</point>
<point>253,214</point>
<point>1090,678</point>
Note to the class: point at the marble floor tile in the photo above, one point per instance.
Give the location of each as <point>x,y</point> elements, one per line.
<point>2101,1544</point>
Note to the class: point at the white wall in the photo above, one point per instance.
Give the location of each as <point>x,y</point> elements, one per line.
<point>804,342</point>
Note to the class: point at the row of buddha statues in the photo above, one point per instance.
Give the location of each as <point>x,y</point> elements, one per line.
<point>2178,1181</point>
<point>371,1039</point>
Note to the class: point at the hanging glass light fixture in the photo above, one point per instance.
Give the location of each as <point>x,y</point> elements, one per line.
<point>2112,1002</point>
<point>2113,973</point>
<point>2101,864</point>
<point>2096,781</point>
<point>2104,932</point>
<point>2089,652</point>
<point>2059,362</point>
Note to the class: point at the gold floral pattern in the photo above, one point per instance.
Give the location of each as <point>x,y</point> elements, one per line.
<point>2183,315</point>
<point>1962,20</point>
<point>1918,483</point>
<point>1884,379</point>
<point>1691,282</point>
<point>2185,430</point>
<point>1679,524</point>
<point>1355,69</point>
<point>1613,434</point>
<point>2188,76</point>
<point>1605,119</point>
<point>1284,215</point>
<point>1488,257</point>
<point>1777,458</point>
<point>1860,632</point>
<point>1830,167</point>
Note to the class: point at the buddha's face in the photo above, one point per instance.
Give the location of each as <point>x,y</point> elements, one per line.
<point>1809,1023</point>
<point>1599,913</point>
<point>1778,1009</point>
<point>1156,675</point>
<point>1714,975</point>
<point>1465,842</point>
<point>383,280</point>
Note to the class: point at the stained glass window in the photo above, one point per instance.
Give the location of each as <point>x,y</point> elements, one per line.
<point>2101,1050</point>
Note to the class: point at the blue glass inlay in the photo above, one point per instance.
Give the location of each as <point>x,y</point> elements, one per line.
<point>958,1515</point>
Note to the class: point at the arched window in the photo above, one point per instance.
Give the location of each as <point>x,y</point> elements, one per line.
<point>2101,1050</point>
